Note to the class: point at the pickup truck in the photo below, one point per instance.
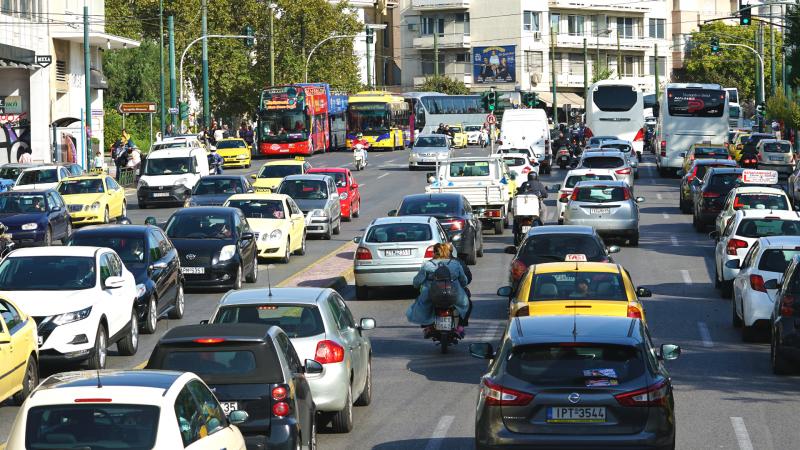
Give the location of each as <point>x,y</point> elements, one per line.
<point>486,183</point>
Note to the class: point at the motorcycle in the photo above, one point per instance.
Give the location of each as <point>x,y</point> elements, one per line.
<point>749,161</point>
<point>445,322</point>
<point>563,157</point>
<point>6,244</point>
<point>215,168</point>
<point>527,213</point>
<point>359,157</point>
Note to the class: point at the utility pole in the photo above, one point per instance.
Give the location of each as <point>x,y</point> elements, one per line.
<point>655,57</point>
<point>204,31</point>
<point>585,74</point>
<point>597,61</point>
<point>553,74</point>
<point>368,32</point>
<point>773,80</point>
<point>272,44</point>
<point>619,58</point>
<point>87,67</point>
<point>435,52</point>
<point>173,94</point>
<point>162,102</point>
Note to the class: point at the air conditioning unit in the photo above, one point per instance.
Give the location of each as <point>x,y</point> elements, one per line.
<point>537,36</point>
<point>536,78</point>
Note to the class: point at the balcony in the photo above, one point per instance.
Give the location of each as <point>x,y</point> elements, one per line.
<point>579,5</point>
<point>431,5</point>
<point>564,40</point>
<point>448,40</point>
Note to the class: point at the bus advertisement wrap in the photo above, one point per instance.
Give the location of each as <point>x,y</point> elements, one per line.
<point>494,64</point>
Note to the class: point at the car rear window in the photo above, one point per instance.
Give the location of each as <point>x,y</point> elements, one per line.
<point>724,182</point>
<point>92,426</point>
<point>577,285</point>
<point>582,365</point>
<point>747,201</point>
<point>624,148</point>
<point>555,247</point>
<point>777,260</point>
<point>574,179</point>
<point>603,162</point>
<point>430,141</point>
<point>399,232</point>
<point>755,228</point>
<point>469,169</point>
<point>709,151</point>
<point>601,194</point>
<point>259,209</point>
<point>428,207</point>
<point>295,320</point>
<point>514,162</point>
<point>215,186</point>
<point>701,169</point>
<point>777,147</point>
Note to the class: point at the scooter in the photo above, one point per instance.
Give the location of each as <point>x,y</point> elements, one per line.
<point>445,322</point>
<point>527,213</point>
<point>563,157</point>
<point>749,161</point>
<point>359,157</point>
<point>215,169</point>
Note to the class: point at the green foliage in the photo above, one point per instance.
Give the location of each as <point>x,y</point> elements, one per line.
<point>604,74</point>
<point>784,110</point>
<point>793,40</point>
<point>445,85</point>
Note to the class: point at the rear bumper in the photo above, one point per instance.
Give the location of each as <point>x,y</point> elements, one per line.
<point>607,227</point>
<point>780,168</point>
<point>315,227</point>
<point>757,307</point>
<point>385,275</point>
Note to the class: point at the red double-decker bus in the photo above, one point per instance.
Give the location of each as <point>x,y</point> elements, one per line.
<point>293,120</point>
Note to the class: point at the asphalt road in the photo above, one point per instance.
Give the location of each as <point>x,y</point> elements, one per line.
<point>725,394</point>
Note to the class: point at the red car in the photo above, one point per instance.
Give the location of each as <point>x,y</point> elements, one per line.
<point>349,195</point>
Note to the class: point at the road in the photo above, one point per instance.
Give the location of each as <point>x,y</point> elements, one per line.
<point>725,394</point>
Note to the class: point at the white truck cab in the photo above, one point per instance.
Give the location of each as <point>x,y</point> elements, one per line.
<point>169,175</point>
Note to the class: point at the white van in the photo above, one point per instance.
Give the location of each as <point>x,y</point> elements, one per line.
<point>169,175</point>
<point>527,128</point>
<point>181,141</point>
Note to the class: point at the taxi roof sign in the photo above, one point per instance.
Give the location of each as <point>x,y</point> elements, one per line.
<point>299,158</point>
<point>752,176</point>
<point>575,257</point>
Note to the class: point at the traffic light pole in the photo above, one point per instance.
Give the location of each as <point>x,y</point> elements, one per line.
<point>760,93</point>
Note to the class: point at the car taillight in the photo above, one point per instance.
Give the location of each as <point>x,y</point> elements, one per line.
<point>787,305</point>
<point>691,157</point>
<point>655,395</point>
<point>454,224</point>
<point>625,171</point>
<point>574,195</point>
<point>634,312</point>
<point>518,269</point>
<point>663,148</point>
<point>442,312</point>
<point>497,395</point>
<point>280,409</point>
<point>92,400</point>
<point>710,195</point>
<point>639,135</point>
<point>429,252</point>
<point>626,194</point>
<point>363,254</point>
<point>209,340</point>
<point>692,175</point>
<point>757,283</point>
<point>279,393</point>
<point>564,197</point>
<point>329,352</point>
<point>735,244</point>
<point>526,170</point>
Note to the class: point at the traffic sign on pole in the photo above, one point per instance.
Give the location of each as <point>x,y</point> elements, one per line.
<point>173,110</point>
<point>138,108</point>
<point>491,119</point>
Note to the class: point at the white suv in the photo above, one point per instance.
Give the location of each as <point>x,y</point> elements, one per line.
<point>82,299</point>
<point>133,409</point>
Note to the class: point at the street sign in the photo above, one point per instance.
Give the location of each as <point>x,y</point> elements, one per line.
<point>44,60</point>
<point>491,119</point>
<point>138,108</point>
<point>173,110</point>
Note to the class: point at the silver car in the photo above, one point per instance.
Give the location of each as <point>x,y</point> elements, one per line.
<point>608,206</point>
<point>611,160</point>
<point>321,327</point>
<point>625,147</point>
<point>318,198</point>
<point>392,250</point>
<point>428,150</point>
<point>775,154</point>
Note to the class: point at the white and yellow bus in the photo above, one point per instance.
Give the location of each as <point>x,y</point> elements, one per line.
<point>381,117</point>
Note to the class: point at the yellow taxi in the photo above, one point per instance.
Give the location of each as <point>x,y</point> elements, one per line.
<point>576,287</point>
<point>92,199</point>
<point>235,152</point>
<point>273,172</point>
<point>735,149</point>
<point>459,136</point>
<point>19,352</point>
<point>277,223</point>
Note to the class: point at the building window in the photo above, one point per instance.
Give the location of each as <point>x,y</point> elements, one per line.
<point>61,70</point>
<point>625,27</point>
<point>534,61</point>
<point>464,19</point>
<point>657,28</point>
<point>7,7</point>
<point>387,33</point>
<point>575,25</point>
<point>530,21</point>
<point>575,64</point>
<point>463,57</point>
<point>631,66</point>
<point>428,65</point>
<point>555,18</point>
<point>662,66</point>
<point>428,24</point>
<point>25,9</point>
<point>559,63</point>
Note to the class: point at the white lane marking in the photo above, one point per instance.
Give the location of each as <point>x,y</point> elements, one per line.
<point>381,176</point>
<point>742,436</point>
<point>659,196</point>
<point>665,216</point>
<point>687,279</point>
<point>490,333</point>
<point>705,335</point>
<point>391,160</point>
<point>437,438</point>
<point>674,241</point>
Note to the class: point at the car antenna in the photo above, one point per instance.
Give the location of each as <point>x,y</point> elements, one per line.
<point>269,281</point>
<point>99,383</point>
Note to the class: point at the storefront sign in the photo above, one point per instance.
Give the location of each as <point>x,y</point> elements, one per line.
<point>44,60</point>
<point>11,104</point>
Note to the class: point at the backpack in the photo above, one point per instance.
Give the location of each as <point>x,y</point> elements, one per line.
<point>442,291</point>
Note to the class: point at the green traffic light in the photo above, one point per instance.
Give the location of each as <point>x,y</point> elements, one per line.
<point>746,21</point>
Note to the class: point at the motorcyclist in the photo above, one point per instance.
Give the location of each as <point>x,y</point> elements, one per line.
<point>561,141</point>
<point>215,161</point>
<point>360,145</point>
<point>533,186</point>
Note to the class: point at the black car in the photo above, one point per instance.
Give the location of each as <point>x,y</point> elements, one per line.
<point>154,263</point>
<point>213,190</point>
<point>454,214</point>
<point>750,144</point>
<point>36,217</point>
<point>216,246</point>
<point>552,243</point>
<point>692,180</point>
<point>252,368</point>
<point>785,321</point>
<point>708,200</point>
<point>575,382</point>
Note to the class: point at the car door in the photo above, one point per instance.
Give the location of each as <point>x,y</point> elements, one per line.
<point>362,348</point>
<point>14,348</point>
<point>304,403</point>
<point>333,200</point>
<point>113,308</point>
<point>247,247</point>
<point>158,274</point>
<point>295,233</point>
<point>169,256</point>
<point>350,338</point>
<point>297,217</point>
<point>57,214</point>
<point>722,243</point>
<point>475,224</point>
<point>116,197</point>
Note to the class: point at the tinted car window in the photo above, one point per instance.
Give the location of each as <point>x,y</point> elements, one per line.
<point>723,182</point>
<point>574,179</point>
<point>431,141</point>
<point>428,206</point>
<point>614,98</point>
<point>399,232</point>
<point>295,320</point>
<point>760,201</point>
<point>63,273</point>
<point>514,162</point>
<point>168,166</point>
<point>555,247</point>
<point>21,203</point>
<point>304,189</point>
<point>230,144</point>
<point>10,173</point>
<point>701,169</point>
<point>212,362</point>
<point>469,169</point>
<point>339,177</point>
<point>776,260</point>
<point>753,228</point>
<point>603,162</point>
<point>130,249</point>
<point>280,170</point>
<point>709,151</point>
<point>90,186</point>
<point>218,186</point>
<point>577,285</point>
<point>601,194</point>
<point>777,147</point>
<point>197,226</point>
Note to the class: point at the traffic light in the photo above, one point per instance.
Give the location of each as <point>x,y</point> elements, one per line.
<point>529,99</point>
<point>183,110</point>
<point>370,36</point>
<point>491,99</point>
<point>761,109</point>
<point>745,15</point>
<point>250,41</point>
<point>715,45</point>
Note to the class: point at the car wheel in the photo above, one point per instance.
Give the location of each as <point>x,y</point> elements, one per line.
<point>736,321</point>
<point>106,217</point>
<point>498,227</point>
<point>349,215</point>
<point>726,288</point>
<point>237,283</point>
<point>327,236</point>
<point>285,258</point>
<point>252,277</point>
<point>357,211</point>
<point>68,233</point>
<point>480,246</point>
<point>634,240</point>
<point>338,228</point>
<point>128,345</point>
<point>176,313</point>
<point>30,381</point>
<point>124,209</point>
<point>472,256</point>
<point>342,421</point>
<point>151,319</point>
<point>366,395</point>
<point>684,207</point>
<point>362,292</point>
<point>302,250</point>
<point>48,236</point>
<point>779,362</point>
<point>98,358</point>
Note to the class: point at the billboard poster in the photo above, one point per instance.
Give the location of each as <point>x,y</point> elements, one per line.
<point>496,64</point>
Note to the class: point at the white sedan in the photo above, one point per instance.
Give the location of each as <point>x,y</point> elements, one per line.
<point>752,197</point>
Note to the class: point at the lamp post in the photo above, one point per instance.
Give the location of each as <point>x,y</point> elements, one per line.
<point>371,27</point>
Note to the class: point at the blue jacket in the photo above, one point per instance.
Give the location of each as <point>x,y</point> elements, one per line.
<point>421,311</point>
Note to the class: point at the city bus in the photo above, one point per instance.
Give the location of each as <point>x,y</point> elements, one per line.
<point>616,108</point>
<point>381,117</point>
<point>736,118</point>
<point>429,109</point>
<point>300,119</point>
<point>689,113</point>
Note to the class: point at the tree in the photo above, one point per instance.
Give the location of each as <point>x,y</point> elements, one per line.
<point>604,74</point>
<point>783,110</point>
<point>445,85</point>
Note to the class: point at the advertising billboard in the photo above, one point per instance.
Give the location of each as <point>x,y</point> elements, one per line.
<point>496,64</point>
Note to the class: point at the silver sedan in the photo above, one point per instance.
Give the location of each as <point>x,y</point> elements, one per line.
<point>428,150</point>
<point>608,206</point>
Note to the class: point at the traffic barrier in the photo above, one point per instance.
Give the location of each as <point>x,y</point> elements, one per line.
<point>127,177</point>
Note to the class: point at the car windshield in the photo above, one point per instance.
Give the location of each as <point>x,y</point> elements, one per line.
<point>168,166</point>
<point>260,209</point>
<point>431,141</point>
<point>772,147</point>
<point>514,161</point>
<point>700,152</point>
<point>10,173</point>
<point>579,366</point>
<point>38,176</point>
<point>399,232</point>
<point>601,194</point>
<point>130,249</point>
<point>22,203</point>
<point>304,189</point>
<point>280,170</point>
<point>760,201</point>
<point>701,169</point>
<point>572,180</point>
<point>230,144</point>
<point>95,426</point>
<point>603,162</point>
<point>339,177</point>
<point>428,207</point>
<point>777,260</point>
<point>298,321</point>
<point>47,273</point>
<point>211,362</point>
<point>577,285</point>
<point>218,186</point>
<point>175,144</point>
<point>545,248</point>
<point>91,186</point>
<point>469,169</point>
<point>200,226</point>
<point>756,228</point>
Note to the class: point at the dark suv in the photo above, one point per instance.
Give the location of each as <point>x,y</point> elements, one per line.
<point>251,368</point>
<point>708,200</point>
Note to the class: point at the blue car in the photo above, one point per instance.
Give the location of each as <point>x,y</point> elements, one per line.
<point>35,217</point>
<point>9,174</point>
<point>213,190</point>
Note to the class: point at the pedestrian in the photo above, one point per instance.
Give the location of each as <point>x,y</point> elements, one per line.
<point>120,156</point>
<point>219,134</point>
<point>25,157</point>
<point>170,131</point>
<point>134,159</point>
<point>249,136</point>
<point>99,161</point>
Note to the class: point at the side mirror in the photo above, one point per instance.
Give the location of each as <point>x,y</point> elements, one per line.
<point>639,199</point>
<point>366,323</point>
<point>392,212</point>
<point>505,291</point>
<point>643,292</point>
<point>510,250</point>
<point>158,266</point>
<point>670,352</point>
<point>771,284</point>
<point>481,350</point>
<point>312,367</point>
<point>150,220</point>
<point>682,154</point>
<point>254,176</point>
<point>357,240</point>
<point>238,417</point>
<point>246,236</point>
<point>612,249</point>
<point>733,264</point>
<point>55,209</point>
<point>114,282</point>
<point>714,235</point>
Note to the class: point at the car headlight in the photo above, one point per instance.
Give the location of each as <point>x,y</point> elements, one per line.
<point>318,213</point>
<point>276,234</point>
<point>70,317</point>
<point>140,290</point>
<point>95,205</point>
<point>343,196</point>
<point>142,183</point>
<point>30,226</point>
<point>180,181</point>
<point>242,157</point>
<point>227,252</point>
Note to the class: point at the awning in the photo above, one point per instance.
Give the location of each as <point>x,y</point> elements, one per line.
<point>96,39</point>
<point>8,64</point>
<point>563,98</point>
<point>99,81</point>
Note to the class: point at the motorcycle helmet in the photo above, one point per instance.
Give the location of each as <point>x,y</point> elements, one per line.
<point>359,135</point>
<point>532,176</point>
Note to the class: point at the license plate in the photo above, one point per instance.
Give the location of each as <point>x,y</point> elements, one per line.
<point>229,407</point>
<point>443,323</point>
<point>526,228</point>
<point>160,194</point>
<point>776,158</point>
<point>195,270</point>
<point>398,252</point>
<point>573,414</point>
<point>600,210</point>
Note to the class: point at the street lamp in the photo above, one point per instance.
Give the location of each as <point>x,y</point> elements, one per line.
<point>597,46</point>
<point>369,27</point>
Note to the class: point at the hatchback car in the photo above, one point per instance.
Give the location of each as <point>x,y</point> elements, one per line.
<point>35,217</point>
<point>776,154</point>
<point>573,177</point>
<point>130,409</point>
<point>20,350</point>
<point>520,165</point>
<point>41,177</point>
<point>234,152</point>
<point>608,206</point>
<point>575,382</point>
<point>626,147</point>
<point>251,368</point>
<point>318,198</point>
<point>610,160</point>
<point>349,192</point>
<point>273,172</point>
<point>708,200</point>
<point>473,134</point>
<point>213,190</point>
<point>692,180</point>
<point>704,150</point>
<point>392,250</point>
<point>428,150</point>
<point>321,327</point>
<point>750,144</point>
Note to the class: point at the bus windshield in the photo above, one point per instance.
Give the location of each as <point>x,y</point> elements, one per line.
<point>615,98</point>
<point>696,102</point>
<point>280,126</point>
<point>370,119</point>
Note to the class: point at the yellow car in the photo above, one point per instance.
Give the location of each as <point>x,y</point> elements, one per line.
<point>277,223</point>
<point>459,136</point>
<point>704,150</point>
<point>735,149</point>
<point>577,287</point>
<point>273,172</point>
<point>93,199</point>
<point>235,152</point>
<point>19,352</point>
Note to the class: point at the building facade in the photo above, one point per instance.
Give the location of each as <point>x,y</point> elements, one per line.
<point>382,66</point>
<point>687,16</point>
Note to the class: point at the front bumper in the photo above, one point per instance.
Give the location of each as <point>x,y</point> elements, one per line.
<point>69,342</point>
<point>318,225</point>
<point>217,275</point>
<point>234,161</point>
<point>329,389</point>
<point>162,194</point>
<point>271,248</point>
<point>385,275</point>
<point>427,161</point>
<point>21,237</point>
<point>87,217</point>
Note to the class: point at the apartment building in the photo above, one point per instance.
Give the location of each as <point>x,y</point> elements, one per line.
<point>382,65</point>
<point>42,77</point>
<point>687,16</point>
